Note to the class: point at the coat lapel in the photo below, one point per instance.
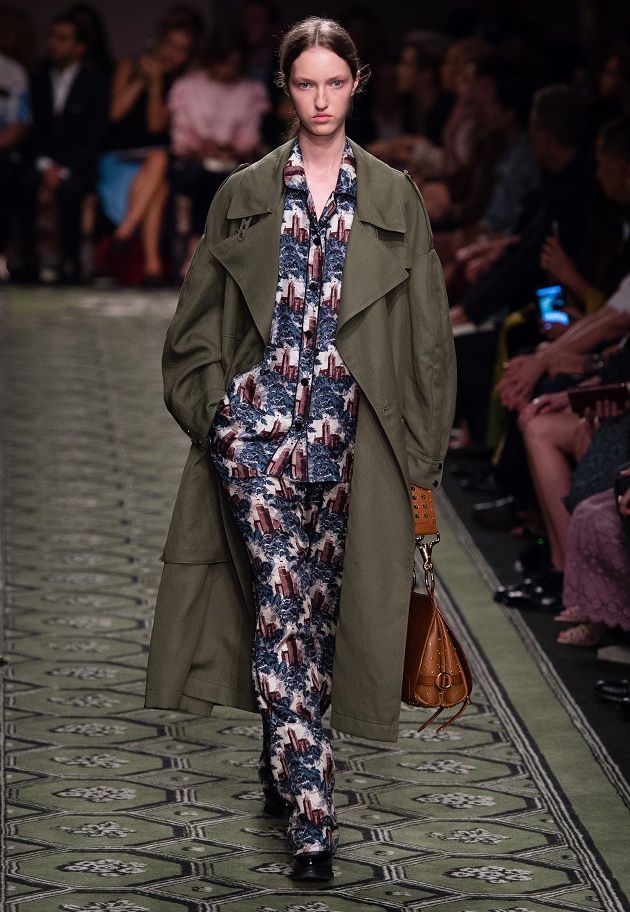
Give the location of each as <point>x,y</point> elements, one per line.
<point>370,269</point>
<point>251,258</point>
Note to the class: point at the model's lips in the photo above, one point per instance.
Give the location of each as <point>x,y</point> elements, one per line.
<point>322,117</point>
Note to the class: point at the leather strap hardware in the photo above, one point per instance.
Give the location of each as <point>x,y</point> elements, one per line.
<point>442,680</point>
<point>423,509</point>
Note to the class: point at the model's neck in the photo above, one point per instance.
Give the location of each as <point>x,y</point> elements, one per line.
<point>322,153</point>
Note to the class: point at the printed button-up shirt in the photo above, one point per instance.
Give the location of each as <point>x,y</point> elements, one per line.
<point>295,412</point>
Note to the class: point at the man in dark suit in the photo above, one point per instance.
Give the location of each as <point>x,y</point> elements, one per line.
<point>70,114</point>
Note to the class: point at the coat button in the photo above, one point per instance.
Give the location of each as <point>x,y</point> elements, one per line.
<point>304,381</point>
<point>317,240</point>
<point>313,286</point>
<point>298,424</point>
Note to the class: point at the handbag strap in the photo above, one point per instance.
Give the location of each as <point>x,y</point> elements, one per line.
<point>423,507</point>
<point>425,523</point>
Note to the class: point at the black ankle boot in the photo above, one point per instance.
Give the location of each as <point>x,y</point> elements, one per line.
<point>276,807</point>
<point>312,866</point>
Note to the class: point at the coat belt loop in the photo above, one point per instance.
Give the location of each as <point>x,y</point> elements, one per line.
<point>243,227</point>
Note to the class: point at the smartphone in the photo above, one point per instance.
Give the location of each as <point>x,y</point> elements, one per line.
<point>551,305</point>
<point>588,396</point>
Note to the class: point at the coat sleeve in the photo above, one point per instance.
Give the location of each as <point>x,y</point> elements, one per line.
<point>431,372</point>
<point>192,369</point>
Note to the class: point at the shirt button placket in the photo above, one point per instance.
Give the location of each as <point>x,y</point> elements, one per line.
<point>311,309</point>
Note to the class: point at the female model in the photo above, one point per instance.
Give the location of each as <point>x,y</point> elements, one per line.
<point>311,361</point>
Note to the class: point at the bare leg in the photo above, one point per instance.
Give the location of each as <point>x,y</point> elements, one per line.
<point>146,184</point>
<point>550,440</point>
<point>151,231</point>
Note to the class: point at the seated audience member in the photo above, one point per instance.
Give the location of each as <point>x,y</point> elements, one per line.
<point>613,174</point>
<point>388,109</point>
<point>426,105</point>
<point>604,260</point>
<point>133,185</point>
<point>597,568</point>
<point>216,117</point>
<point>259,21</point>
<point>69,104</point>
<point>556,438</point>
<point>366,29</point>
<point>503,104</point>
<point>15,118</point>
<point>560,134</point>
<point>454,153</point>
<point>97,55</point>
<point>614,84</point>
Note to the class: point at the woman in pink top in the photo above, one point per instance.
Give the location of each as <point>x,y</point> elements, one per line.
<point>216,115</point>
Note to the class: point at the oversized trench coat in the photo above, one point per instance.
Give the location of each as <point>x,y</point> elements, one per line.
<point>394,335</point>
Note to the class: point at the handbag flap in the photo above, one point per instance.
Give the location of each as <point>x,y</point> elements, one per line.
<point>435,671</point>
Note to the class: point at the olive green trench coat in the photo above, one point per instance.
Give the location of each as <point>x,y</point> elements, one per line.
<point>394,335</point>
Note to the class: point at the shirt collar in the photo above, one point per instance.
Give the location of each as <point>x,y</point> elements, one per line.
<point>67,73</point>
<point>295,175</point>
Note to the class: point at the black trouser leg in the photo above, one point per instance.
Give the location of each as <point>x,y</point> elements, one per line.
<point>70,197</point>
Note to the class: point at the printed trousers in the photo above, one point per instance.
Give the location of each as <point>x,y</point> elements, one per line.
<point>295,537</point>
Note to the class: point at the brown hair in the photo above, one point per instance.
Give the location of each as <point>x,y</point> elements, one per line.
<point>565,112</point>
<point>318,32</point>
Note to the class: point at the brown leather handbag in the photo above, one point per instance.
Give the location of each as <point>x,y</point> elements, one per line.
<point>436,672</point>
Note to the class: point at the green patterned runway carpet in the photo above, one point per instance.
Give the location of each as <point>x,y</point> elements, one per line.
<point>108,807</point>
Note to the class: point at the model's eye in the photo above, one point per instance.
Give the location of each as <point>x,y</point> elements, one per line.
<point>303,85</point>
<point>338,83</point>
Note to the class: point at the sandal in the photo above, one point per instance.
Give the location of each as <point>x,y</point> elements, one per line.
<point>572,614</point>
<point>586,634</point>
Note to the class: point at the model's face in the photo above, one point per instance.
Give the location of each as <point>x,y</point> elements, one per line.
<point>321,87</point>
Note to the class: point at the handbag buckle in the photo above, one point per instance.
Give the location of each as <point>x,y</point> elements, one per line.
<point>426,548</point>
<point>440,677</point>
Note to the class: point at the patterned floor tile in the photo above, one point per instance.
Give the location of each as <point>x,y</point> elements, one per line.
<point>114,808</point>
